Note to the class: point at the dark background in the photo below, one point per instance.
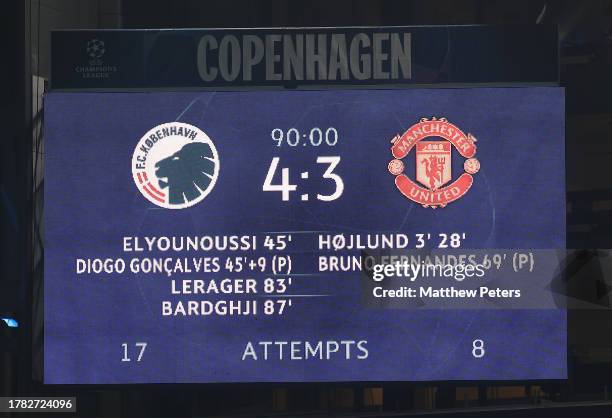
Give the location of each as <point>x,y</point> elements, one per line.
<point>585,32</point>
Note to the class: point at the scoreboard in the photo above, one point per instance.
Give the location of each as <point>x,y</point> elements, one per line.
<point>232,236</point>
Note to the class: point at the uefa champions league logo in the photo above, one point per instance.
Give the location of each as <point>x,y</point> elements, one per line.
<point>95,49</point>
<point>175,165</point>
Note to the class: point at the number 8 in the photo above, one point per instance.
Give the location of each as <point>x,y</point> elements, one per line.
<point>478,350</point>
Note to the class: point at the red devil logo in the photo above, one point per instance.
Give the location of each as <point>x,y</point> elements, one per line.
<point>434,162</point>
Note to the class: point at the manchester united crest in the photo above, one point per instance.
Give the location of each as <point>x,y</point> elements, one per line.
<point>433,141</point>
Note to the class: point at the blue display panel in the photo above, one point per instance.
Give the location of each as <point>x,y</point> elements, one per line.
<point>219,236</point>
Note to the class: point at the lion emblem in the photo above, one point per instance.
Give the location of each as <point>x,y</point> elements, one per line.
<point>186,173</point>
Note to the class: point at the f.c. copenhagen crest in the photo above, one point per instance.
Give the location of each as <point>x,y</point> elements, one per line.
<point>433,161</point>
<point>175,165</point>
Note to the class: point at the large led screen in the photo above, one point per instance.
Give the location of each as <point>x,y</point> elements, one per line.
<point>293,236</point>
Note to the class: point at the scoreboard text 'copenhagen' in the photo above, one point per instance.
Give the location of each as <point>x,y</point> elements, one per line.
<point>305,56</point>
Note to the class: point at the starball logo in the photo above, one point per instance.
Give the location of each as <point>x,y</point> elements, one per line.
<point>175,165</point>
<point>433,161</point>
<point>96,50</point>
